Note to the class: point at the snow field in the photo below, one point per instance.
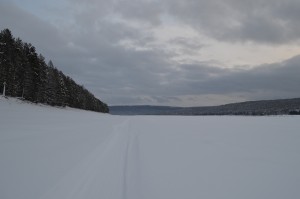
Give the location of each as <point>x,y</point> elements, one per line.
<point>53,153</point>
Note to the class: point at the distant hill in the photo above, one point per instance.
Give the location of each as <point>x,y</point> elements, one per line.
<point>28,77</point>
<point>263,107</point>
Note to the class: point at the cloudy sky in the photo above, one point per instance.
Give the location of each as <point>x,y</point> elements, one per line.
<point>167,52</point>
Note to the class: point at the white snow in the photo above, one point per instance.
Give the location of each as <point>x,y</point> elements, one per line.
<point>55,153</point>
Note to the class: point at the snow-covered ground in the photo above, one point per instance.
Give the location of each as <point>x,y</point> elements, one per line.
<point>54,153</point>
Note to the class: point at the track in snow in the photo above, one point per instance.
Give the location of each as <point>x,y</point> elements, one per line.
<point>110,170</point>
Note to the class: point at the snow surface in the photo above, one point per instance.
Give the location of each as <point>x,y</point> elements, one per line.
<point>55,153</point>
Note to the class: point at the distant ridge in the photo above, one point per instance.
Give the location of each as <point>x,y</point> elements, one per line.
<point>262,107</point>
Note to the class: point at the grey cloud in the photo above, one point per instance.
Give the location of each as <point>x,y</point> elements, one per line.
<point>271,81</point>
<point>28,26</point>
<point>149,11</point>
<point>186,46</point>
<point>89,11</point>
<point>126,76</point>
<point>90,50</point>
<point>273,78</point>
<point>268,21</point>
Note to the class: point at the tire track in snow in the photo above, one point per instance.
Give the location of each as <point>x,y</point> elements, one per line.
<point>132,167</point>
<point>111,171</point>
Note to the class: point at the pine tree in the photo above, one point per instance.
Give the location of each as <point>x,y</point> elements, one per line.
<point>6,62</point>
<point>51,85</point>
<point>20,59</point>
<point>28,84</point>
<point>42,79</point>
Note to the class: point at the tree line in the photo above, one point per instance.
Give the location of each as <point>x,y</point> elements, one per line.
<point>27,76</point>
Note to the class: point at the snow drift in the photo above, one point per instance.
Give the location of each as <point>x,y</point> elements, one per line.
<point>54,153</point>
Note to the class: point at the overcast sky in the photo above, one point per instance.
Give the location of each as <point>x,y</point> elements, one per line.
<point>167,52</point>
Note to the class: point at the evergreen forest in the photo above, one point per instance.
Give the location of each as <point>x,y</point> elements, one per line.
<point>27,76</point>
